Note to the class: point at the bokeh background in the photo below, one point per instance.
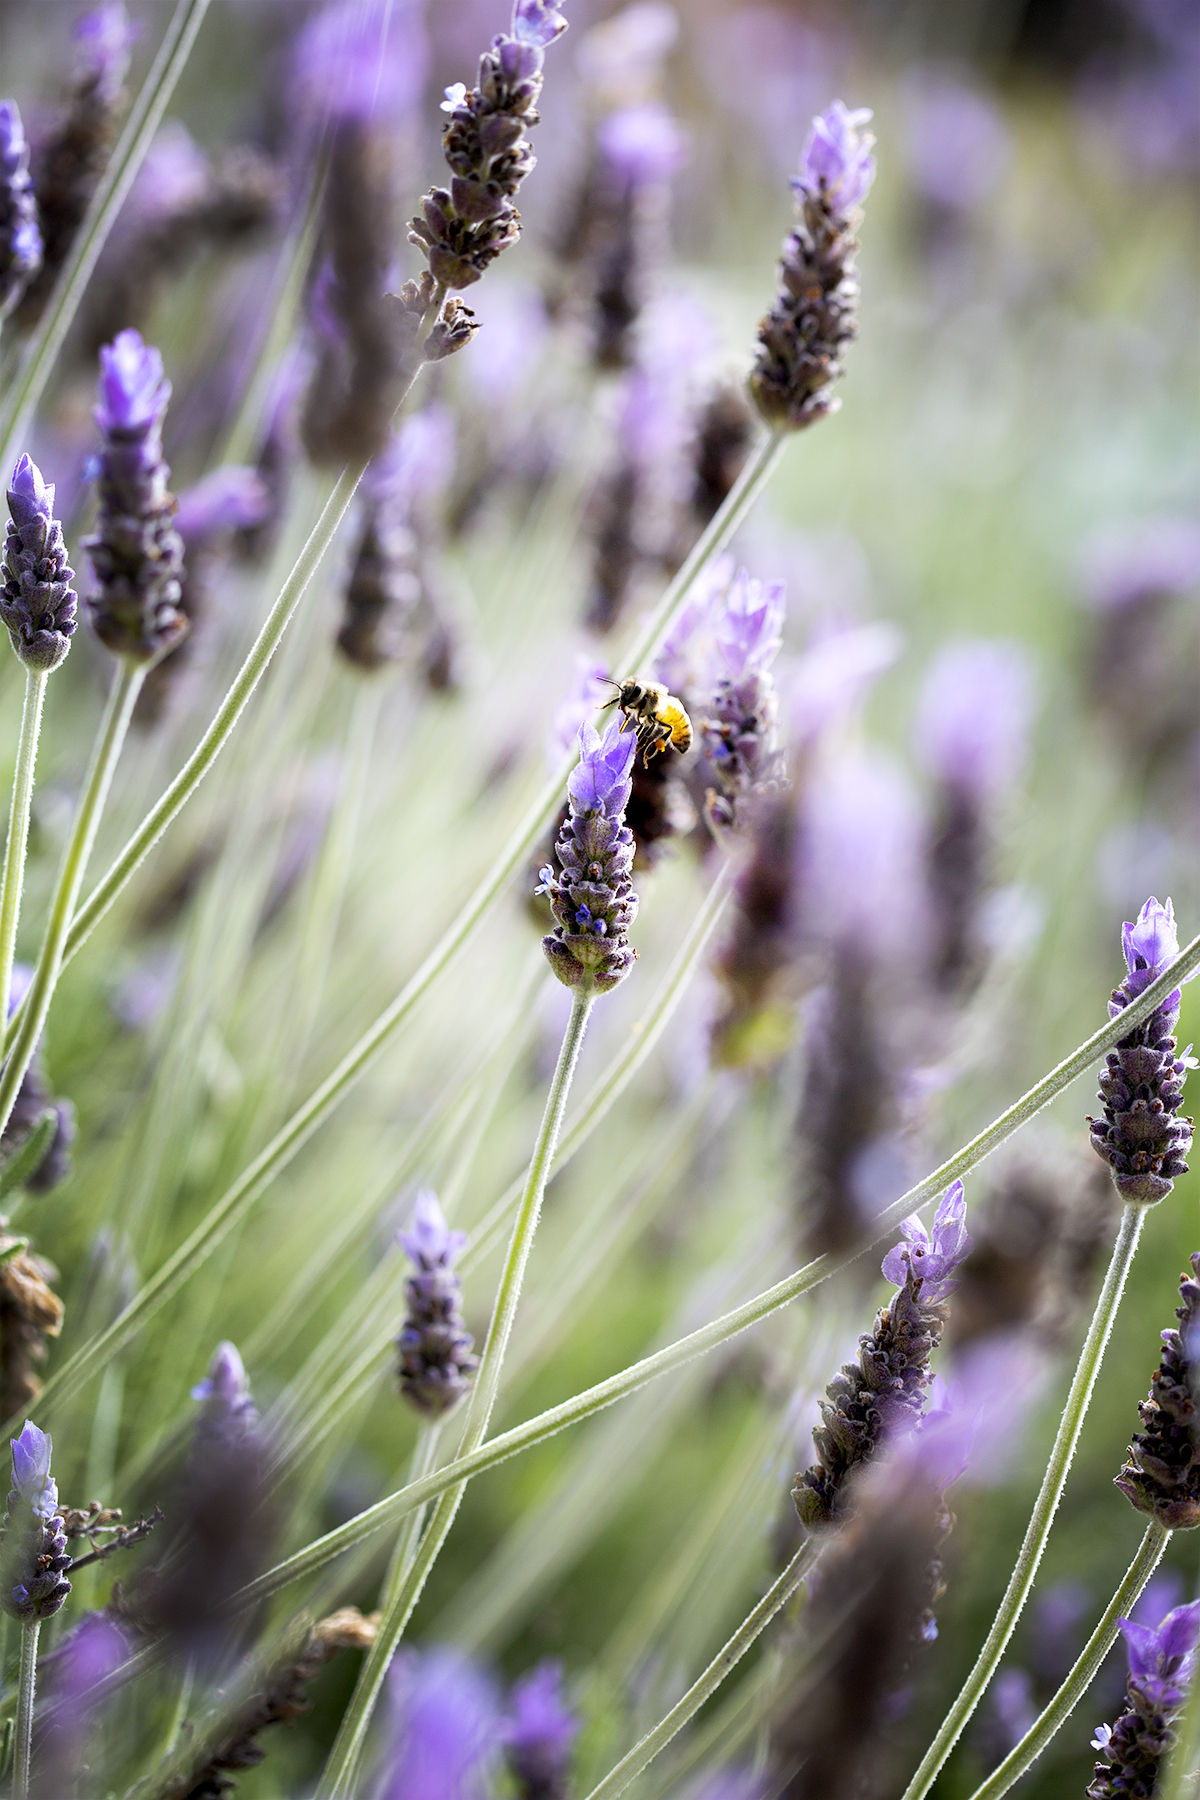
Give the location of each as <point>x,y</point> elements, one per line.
<point>1015,460</point>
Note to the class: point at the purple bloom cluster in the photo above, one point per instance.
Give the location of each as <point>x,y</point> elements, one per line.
<point>815,314</point>
<point>738,728</point>
<point>436,1364</point>
<point>1161,1660</point>
<point>641,145</point>
<point>463,228</point>
<point>33,1543</point>
<point>1141,1089</point>
<point>1162,1475</point>
<point>360,62</point>
<point>446,1728</point>
<point>37,601</point>
<point>20,239</point>
<point>592,898</point>
<point>539,1736</point>
<point>136,551</point>
<point>874,1398</point>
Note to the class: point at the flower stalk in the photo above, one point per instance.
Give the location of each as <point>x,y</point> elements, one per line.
<point>13,880</point>
<point>26,1691</point>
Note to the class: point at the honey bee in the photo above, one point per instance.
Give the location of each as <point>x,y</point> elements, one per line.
<point>658,717</point>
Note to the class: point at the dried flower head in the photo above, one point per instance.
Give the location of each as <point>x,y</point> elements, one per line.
<point>1140,1137</point>
<point>1161,1660</point>
<point>37,601</point>
<point>436,1364</point>
<point>592,897</point>
<point>802,338</point>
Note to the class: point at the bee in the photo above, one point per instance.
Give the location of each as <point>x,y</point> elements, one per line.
<point>658,717</point>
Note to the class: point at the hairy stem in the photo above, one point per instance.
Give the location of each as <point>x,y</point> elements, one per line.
<point>127,680</point>
<point>722,1664</point>
<point>26,1689</point>
<point>1045,1507</point>
<point>13,880</point>
<point>1085,1670</point>
<point>337,1779</point>
<point>627,1381</point>
<point>44,346</point>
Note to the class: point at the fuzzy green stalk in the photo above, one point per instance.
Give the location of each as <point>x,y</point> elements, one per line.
<point>26,1688</point>
<point>1044,1509</point>
<point>722,1664</point>
<point>13,880</point>
<point>628,1380</point>
<point>295,1133</point>
<point>42,351</point>
<point>1080,1679</point>
<point>337,1780</point>
<point>127,680</point>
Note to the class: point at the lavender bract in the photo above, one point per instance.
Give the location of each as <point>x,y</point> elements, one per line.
<point>872,1399</point>
<point>20,239</point>
<point>37,601</point>
<point>539,1736</point>
<point>136,551</point>
<point>1141,1089</point>
<point>436,1364</point>
<point>33,1543</point>
<point>1161,1660</point>
<point>1162,1475</point>
<point>593,898</point>
<point>802,338</point>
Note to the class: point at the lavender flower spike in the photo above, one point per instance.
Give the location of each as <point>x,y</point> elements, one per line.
<point>436,1364</point>
<point>136,552</point>
<point>20,239</point>
<point>1161,1660</point>
<point>33,1543</point>
<point>593,898</point>
<point>815,313</point>
<point>37,601</point>
<point>739,730</point>
<point>1162,1475</point>
<point>538,1740</point>
<point>870,1400</point>
<point>462,229</point>
<point>1141,1088</point>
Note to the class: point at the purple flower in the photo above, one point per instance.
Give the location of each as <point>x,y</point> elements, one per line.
<point>37,601</point>
<point>859,853</point>
<point>578,707</point>
<point>1151,945</point>
<point>229,1412</point>
<point>105,38</point>
<point>364,62</point>
<point>975,1420</point>
<point>1161,1660</point>
<point>436,1364</point>
<point>642,145</point>
<point>77,1669</point>
<point>445,1730</point>
<point>429,1242</point>
<point>973,715</point>
<point>824,685</point>
<point>1129,564</point>
<point>836,163</point>
<point>932,1255</point>
<point>416,462</point>
<point>958,145</point>
<point>1161,1656</point>
<point>539,1735</point>
<point>537,22</point>
<point>601,780</point>
<point>230,498</point>
<point>20,239</point>
<point>133,391</point>
<point>749,627</point>
<point>622,57</point>
<point>31,1478</point>
<point>688,645</point>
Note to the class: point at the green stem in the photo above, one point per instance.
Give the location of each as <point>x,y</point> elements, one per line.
<point>127,679</point>
<point>627,1381</point>
<point>13,879</point>
<point>726,1659</point>
<point>337,1779</point>
<point>1044,1509</point>
<point>26,1688</point>
<point>42,353</point>
<point>1084,1672</point>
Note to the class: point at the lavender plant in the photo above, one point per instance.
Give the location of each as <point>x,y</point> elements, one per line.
<point>1161,1660</point>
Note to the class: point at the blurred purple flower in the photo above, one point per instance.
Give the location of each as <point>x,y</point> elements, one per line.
<point>540,1733</point>
<point>133,391</point>
<point>105,38</point>
<point>76,1670</point>
<point>642,145</point>
<point>416,462</point>
<point>363,60</point>
<point>836,162</point>
<point>601,780</point>
<point>687,646</point>
<point>932,1255</point>
<point>1123,565</point>
<point>620,60</point>
<point>20,239</point>
<point>823,686</point>
<point>749,627</point>
<point>976,1419</point>
<point>1012,1705</point>
<point>429,1241</point>
<point>579,706</point>
<point>436,1362</point>
<point>445,1730</point>
<point>229,498</point>
<point>859,859</point>
<point>537,22</point>
<point>229,1413</point>
<point>973,715</point>
<point>173,177</point>
<point>957,143</point>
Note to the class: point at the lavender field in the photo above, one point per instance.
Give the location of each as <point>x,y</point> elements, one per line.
<point>600,886</point>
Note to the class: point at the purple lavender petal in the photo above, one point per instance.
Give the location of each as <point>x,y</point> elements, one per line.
<point>133,390</point>
<point>973,716</point>
<point>445,1729</point>
<point>362,59</point>
<point>749,628</point>
<point>600,780</point>
<point>31,1469</point>
<point>642,145</point>
<point>537,22</point>
<point>836,161</point>
<point>229,498</point>
<point>429,1242</point>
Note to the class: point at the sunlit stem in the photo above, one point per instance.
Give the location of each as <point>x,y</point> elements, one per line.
<point>1045,1507</point>
<point>338,1777</point>
<point>13,880</point>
